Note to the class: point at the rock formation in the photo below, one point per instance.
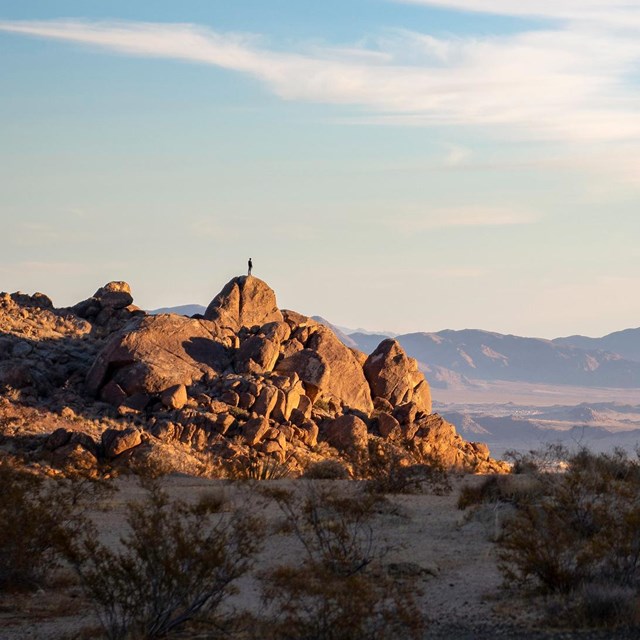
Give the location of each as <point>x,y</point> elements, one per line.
<point>245,301</point>
<point>246,380</point>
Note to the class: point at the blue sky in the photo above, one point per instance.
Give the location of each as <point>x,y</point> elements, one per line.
<point>409,166</point>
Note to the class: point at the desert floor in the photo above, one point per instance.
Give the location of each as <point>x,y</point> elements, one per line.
<point>450,550</point>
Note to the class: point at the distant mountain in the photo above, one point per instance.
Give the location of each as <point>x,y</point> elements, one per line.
<point>457,358</point>
<point>386,334</point>
<point>463,356</point>
<point>367,342</point>
<point>344,338</point>
<point>625,343</point>
<point>182,310</point>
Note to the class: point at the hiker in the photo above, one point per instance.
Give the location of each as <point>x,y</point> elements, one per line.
<point>250,266</point>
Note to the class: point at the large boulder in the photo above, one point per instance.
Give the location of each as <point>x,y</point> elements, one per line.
<point>311,368</point>
<point>245,301</point>
<point>117,441</point>
<point>347,433</point>
<point>437,439</point>
<point>114,295</point>
<point>344,379</point>
<point>157,353</point>
<point>260,351</point>
<point>395,377</point>
<point>109,308</point>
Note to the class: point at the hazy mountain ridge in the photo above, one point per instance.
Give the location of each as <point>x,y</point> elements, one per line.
<point>625,343</point>
<point>457,358</point>
<point>181,310</point>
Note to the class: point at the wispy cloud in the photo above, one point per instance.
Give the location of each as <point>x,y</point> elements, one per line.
<point>460,217</point>
<point>569,81</point>
<point>618,11</point>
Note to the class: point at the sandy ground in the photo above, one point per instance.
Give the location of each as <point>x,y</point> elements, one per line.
<point>461,584</point>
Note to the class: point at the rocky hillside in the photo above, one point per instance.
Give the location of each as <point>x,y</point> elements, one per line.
<point>105,383</point>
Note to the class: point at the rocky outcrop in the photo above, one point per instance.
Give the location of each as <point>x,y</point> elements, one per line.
<point>345,380</point>
<point>245,301</point>
<point>396,377</point>
<point>109,308</point>
<point>157,353</point>
<point>347,433</point>
<point>247,381</point>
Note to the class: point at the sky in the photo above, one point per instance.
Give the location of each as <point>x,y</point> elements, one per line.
<point>399,165</point>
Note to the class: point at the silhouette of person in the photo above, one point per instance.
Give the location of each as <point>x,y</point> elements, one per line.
<point>250,266</point>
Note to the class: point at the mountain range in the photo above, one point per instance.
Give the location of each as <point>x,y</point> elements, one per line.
<point>458,358</point>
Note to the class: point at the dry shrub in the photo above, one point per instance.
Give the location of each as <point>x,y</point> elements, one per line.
<point>175,562</point>
<point>326,470</point>
<point>595,605</point>
<point>497,488</point>
<point>39,516</point>
<point>258,466</point>
<point>212,501</point>
<point>338,591</point>
<point>583,527</point>
<point>400,468</point>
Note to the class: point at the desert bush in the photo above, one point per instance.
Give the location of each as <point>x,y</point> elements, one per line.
<point>315,604</point>
<point>258,466</point>
<point>322,404</point>
<point>175,562</point>
<point>595,605</point>
<point>39,515</point>
<point>212,501</point>
<point>390,467</point>
<point>497,488</point>
<point>550,459</point>
<point>326,470</point>
<point>338,591</point>
<point>583,527</point>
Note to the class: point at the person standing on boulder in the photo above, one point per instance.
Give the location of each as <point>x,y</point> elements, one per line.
<point>250,266</point>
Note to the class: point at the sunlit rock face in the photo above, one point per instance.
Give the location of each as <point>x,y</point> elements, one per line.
<point>246,380</point>
<point>245,301</point>
<point>396,377</point>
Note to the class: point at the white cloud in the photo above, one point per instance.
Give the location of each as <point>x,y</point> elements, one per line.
<point>613,10</point>
<point>569,81</point>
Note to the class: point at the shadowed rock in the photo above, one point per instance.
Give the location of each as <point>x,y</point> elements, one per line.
<point>162,351</point>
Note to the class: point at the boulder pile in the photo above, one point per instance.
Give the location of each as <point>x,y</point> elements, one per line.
<point>246,380</point>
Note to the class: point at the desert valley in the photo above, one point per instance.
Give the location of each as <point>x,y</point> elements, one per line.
<point>332,455</point>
